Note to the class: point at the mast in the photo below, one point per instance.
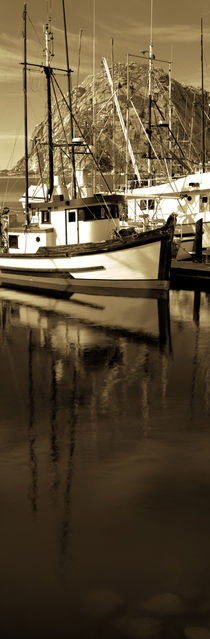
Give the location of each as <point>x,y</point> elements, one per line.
<point>93,96</point>
<point>150,98</point>
<point>127,127</point>
<point>113,106</point>
<point>203,109</point>
<point>25,113</point>
<point>48,73</point>
<point>78,65</point>
<point>170,115</point>
<point>70,103</point>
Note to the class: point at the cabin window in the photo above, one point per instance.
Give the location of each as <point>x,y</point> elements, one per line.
<point>189,198</point>
<point>92,213</point>
<point>13,241</point>
<point>87,215</point>
<point>205,199</point>
<point>114,210</point>
<point>71,216</point>
<point>151,204</point>
<point>45,217</point>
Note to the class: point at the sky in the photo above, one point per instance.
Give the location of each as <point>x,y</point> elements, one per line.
<point>176,28</point>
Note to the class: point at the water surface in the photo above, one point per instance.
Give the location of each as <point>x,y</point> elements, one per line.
<point>105,466</point>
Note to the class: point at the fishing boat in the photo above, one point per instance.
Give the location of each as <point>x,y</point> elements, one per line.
<point>140,262</point>
<point>76,242</point>
<point>187,197</point>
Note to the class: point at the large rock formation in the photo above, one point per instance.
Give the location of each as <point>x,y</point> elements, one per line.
<point>110,146</point>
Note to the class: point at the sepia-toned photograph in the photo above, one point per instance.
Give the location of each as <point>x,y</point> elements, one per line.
<point>105,319</point>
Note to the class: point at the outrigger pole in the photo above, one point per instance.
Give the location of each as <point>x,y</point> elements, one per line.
<point>26,115</point>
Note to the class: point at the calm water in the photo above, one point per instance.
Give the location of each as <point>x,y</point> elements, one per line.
<point>11,190</point>
<point>105,467</point>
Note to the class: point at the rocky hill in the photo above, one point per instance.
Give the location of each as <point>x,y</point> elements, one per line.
<point>107,136</point>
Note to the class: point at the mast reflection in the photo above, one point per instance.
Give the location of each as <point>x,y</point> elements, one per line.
<point>33,490</point>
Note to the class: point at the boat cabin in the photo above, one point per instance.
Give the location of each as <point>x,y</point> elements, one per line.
<point>188,197</point>
<point>67,222</point>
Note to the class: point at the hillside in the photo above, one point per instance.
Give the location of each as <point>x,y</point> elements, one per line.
<point>110,146</point>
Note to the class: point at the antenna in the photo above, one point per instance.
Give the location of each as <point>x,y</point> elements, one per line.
<point>49,38</point>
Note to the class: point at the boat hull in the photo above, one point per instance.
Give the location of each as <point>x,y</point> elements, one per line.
<point>135,264</point>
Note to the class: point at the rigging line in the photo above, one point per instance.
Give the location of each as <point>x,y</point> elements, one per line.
<point>144,130</point>
<point>82,135</point>
<point>109,216</point>
<point>40,167</point>
<point>162,148</point>
<point>182,161</point>
<point>61,119</point>
<point>162,116</point>
<point>33,27</point>
<point>9,161</point>
<point>172,185</point>
<point>180,120</point>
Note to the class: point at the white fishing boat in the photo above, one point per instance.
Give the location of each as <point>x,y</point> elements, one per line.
<point>77,243</point>
<point>187,197</point>
<point>37,257</point>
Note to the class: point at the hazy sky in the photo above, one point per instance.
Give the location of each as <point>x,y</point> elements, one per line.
<point>176,32</point>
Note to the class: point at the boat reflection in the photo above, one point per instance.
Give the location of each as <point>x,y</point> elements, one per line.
<point>85,354</point>
<point>145,318</point>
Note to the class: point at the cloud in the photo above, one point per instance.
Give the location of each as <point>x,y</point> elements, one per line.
<point>11,136</point>
<point>175,33</point>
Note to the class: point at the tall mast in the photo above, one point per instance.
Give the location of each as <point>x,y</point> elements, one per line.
<point>170,114</point>
<point>93,96</point>
<point>127,126</point>
<point>113,106</point>
<point>25,113</point>
<point>78,65</point>
<point>203,109</point>
<point>48,73</point>
<point>150,98</point>
<point>70,103</point>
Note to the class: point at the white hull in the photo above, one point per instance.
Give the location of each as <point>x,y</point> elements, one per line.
<point>138,264</point>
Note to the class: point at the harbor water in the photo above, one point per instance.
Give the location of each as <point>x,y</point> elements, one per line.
<point>105,466</point>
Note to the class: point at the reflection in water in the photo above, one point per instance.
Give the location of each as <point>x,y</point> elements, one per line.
<point>54,454</point>
<point>31,429</point>
<point>66,519</point>
<point>113,428</point>
<point>196,308</point>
